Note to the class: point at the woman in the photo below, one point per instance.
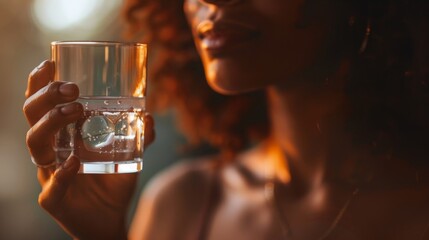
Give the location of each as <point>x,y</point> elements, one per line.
<point>341,155</point>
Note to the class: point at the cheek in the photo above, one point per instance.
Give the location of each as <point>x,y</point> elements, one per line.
<point>195,11</point>
<point>284,12</point>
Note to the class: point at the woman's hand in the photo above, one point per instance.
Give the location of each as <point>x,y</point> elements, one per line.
<point>86,206</point>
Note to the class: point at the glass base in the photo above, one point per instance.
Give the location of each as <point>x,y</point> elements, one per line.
<point>110,167</point>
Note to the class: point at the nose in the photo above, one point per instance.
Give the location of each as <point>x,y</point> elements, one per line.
<point>221,2</point>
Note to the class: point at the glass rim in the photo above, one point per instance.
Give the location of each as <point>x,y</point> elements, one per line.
<point>97,43</point>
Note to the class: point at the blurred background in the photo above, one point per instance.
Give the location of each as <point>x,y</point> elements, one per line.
<point>26,28</point>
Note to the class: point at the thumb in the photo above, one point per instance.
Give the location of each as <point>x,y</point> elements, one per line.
<point>55,189</point>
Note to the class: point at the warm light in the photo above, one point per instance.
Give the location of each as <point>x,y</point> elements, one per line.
<point>281,168</point>
<point>58,15</point>
<point>140,89</point>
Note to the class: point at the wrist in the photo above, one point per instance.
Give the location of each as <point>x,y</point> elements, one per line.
<point>115,230</point>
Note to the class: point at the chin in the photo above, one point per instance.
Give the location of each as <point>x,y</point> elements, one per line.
<point>230,81</point>
<point>227,86</point>
<point>222,89</point>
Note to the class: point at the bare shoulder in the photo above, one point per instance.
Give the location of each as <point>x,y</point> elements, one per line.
<point>182,179</point>
<point>173,202</point>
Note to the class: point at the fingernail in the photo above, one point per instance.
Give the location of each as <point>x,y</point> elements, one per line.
<point>67,89</point>
<point>35,70</point>
<point>68,109</point>
<point>42,65</point>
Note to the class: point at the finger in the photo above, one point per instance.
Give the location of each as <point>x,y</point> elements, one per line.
<point>39,137</point>
<point>56,188</point>
<point>149,130</point>
<point>39,77</point>
<point>46,98</point>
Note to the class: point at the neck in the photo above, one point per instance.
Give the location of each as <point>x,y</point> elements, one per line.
<point>308,125</point>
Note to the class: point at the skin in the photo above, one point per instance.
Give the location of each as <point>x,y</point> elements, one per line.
<point>312,161</point>
<point>276,23</point>
<point>315,158</point>
<point>309,156</point>
<point>86,206</point>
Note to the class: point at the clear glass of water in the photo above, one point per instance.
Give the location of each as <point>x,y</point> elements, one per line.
<point>111,77</point>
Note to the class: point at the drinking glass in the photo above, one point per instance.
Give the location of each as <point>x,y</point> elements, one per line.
<point>111,77</point>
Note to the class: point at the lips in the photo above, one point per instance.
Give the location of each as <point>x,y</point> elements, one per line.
<point>225,36</point>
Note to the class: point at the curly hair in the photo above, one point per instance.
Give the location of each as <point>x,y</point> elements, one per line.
<point>387,86</point>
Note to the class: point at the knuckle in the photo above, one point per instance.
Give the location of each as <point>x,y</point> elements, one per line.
<point>53,87</point>
<point>34,143</point>
<point>43,202</point>
<point>25,106</point>
<point>53,116</point>
<point>29,139</point>
<point>54,120</point>
<point>52,92</point>
<point>27,93</point>
<point>33,73</point>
